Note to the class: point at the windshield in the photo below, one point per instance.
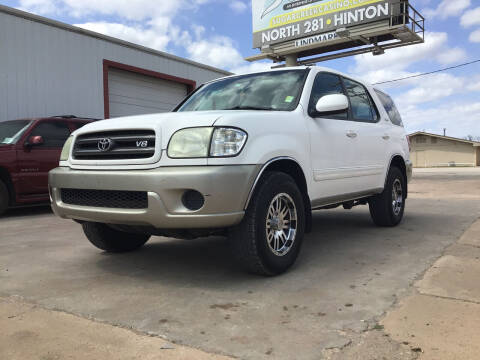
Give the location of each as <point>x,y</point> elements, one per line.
<point>273,91</point>
<point>11,131</point>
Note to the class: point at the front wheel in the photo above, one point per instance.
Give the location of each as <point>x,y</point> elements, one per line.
<point>269,238</point>
<point>110,240</point>
<point>387,208</point>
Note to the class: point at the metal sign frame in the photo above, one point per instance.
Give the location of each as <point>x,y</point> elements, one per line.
<point>403,28</point>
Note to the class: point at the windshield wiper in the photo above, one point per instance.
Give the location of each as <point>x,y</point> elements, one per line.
<point>250,108</point>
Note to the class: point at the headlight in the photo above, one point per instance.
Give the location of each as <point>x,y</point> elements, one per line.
<point>227,142</point>
<point>196,142</point>
<point>66,149</point>
<point>190,143</point>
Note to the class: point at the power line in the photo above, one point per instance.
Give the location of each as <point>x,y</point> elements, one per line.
<point>428,73</point>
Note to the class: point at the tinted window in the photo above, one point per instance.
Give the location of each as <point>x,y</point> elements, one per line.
<point>326,84</point>
<point>11,131</point>
<point>54,133</point>
<point>360,102</point>
<point>276,90</point>
<point>390,108</point>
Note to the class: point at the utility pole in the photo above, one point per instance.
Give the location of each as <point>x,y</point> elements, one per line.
<point>444,132</point>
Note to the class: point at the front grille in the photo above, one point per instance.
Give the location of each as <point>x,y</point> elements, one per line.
<point>115,145</point>
<point>106,198</point>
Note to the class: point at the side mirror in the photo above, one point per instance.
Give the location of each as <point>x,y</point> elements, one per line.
<point>35,141</point>
<point>331,104</point>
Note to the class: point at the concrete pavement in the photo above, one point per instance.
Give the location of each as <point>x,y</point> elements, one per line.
<point>348,276</point>
<point>442,317</point>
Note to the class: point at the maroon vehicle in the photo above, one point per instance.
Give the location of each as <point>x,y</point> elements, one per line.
<point>29,149</point>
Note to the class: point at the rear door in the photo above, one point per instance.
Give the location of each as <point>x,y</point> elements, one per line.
<point>36,161</point>
<point>371,140</point>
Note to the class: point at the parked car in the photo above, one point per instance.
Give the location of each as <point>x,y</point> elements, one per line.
<point>247,156</point>
<point>29,149</point>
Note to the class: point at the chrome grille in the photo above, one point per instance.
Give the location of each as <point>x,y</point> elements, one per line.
<point>115,145</point>
<point>105,198</point>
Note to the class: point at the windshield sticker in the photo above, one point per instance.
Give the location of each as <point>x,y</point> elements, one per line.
<point>289,99</point>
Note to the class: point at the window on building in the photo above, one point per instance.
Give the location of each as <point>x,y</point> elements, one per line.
<point>421,140</point>
<point>362,107</point>
<point>54,133</point>
<point>434,140</point>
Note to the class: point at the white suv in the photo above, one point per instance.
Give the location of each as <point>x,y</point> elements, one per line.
<point>247,156</point>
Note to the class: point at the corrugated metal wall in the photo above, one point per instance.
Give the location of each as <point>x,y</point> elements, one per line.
<point>46,70</point>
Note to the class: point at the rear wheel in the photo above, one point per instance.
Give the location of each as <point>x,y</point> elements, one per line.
<point>387,208</point>
<point>110,240</point>
<point>269,238</point>
<point>4,198</point>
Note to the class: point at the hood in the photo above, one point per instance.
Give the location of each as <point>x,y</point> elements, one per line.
<point>164,125</point>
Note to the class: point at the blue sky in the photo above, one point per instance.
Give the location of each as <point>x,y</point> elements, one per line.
<point>218,33</point>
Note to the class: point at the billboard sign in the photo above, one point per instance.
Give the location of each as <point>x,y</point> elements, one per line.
<point>280,21</point>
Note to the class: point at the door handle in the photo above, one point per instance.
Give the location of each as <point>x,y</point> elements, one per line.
<point>386,137</point>
<point>352,134</point>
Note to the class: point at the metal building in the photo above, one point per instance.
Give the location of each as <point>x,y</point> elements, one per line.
<point>50,68</point>
<point>430,150</point>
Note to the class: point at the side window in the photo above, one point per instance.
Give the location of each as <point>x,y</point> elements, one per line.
<point>326,84</point>
<point>390,108</point>
<point>54,133</point>
<point>362,107</point>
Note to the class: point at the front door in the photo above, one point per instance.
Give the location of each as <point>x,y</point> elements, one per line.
<point>35,161</point>
<point>334,144</point>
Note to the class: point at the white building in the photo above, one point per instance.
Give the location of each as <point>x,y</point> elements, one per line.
<point>49,68</point>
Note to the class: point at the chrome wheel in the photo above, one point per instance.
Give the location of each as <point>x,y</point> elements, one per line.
<point>281,224</point>
<point>397,197</point>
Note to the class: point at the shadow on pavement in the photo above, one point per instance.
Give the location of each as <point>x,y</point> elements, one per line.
<point>27,211</point>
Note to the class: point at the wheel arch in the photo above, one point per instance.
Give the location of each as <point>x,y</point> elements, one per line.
<point>7,179</point>
<point>399,162</point>
<point>290,167</point>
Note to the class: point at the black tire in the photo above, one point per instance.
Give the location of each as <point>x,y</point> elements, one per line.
<point>110,240</point>
<point>382,205</point>
<point>4,198</point>
<point>248,240</point>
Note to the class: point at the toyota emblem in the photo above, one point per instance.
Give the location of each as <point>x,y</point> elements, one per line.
<point>105,144</point>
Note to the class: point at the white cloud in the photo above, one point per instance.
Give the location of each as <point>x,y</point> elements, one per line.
<point>394,62</point>
<point>155,37</point>
<point>128,9</point>
<point>39,6</point>
<point>475,36</point>
<point>448,8</point>
<point>238,6</point>
<point>475,84</point>
<point>218,51</point>
<point>430,88</point>
<point>471,17</point>
<point>451,56</point>
<point>459,118</point>
<point>252,67</point>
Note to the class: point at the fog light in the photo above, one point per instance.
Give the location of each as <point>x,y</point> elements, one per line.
<point>193,200</point>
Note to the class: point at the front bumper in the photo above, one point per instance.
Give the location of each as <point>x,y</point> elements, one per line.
<point>225,189</point>
<point>409,167</point>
